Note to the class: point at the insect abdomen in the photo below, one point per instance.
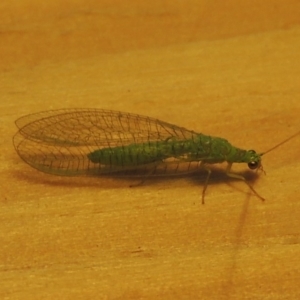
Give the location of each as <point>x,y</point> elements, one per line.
<point>130,155</point>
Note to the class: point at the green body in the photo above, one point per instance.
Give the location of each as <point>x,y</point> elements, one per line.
<point>200,147</point>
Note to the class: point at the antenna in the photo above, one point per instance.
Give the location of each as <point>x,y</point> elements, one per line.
<point>281,143</point>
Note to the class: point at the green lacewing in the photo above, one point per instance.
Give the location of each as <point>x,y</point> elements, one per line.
<point>74,142</point>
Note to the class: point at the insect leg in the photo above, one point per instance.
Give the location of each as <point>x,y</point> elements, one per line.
<point>202,166</point>
<point>237,176</point>
<point>145,177</point>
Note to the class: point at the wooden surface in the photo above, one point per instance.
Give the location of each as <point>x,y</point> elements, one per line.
<point>230,70</point>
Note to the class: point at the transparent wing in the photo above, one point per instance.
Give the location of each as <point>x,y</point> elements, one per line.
<point>102,128</point>
<point>59,141</point>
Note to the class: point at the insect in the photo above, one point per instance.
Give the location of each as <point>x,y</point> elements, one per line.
<point>96,141</point>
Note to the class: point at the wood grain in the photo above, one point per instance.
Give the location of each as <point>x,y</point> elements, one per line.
<point>218,67</point>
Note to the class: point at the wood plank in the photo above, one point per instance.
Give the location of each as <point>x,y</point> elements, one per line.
<point>225,69</point>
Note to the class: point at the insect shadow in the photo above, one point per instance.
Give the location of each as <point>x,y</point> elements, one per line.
<point>135,180</point>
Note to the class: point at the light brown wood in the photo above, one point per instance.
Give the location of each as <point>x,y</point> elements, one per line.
<point>218,67</point>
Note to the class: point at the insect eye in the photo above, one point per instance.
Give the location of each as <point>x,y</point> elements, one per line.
<point>253,165</point>
<point>252,151</point>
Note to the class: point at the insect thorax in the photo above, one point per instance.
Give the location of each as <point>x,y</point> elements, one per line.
<point>215,150</point>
